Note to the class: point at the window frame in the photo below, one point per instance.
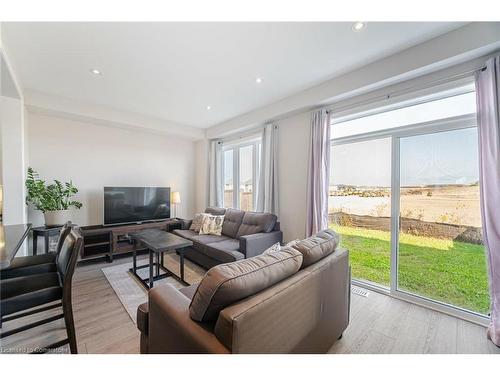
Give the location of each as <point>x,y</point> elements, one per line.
<point>236,147</point>
<point>430,127</point>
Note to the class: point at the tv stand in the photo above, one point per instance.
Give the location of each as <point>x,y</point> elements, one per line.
<point>101,241</point>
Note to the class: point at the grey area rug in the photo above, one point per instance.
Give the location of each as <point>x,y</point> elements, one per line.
<point>131,292</point>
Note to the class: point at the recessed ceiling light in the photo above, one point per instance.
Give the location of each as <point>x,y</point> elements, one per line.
<point>358,26</point>
<point>258,80</point>
<point>209,108</point>
<point>95,71</point>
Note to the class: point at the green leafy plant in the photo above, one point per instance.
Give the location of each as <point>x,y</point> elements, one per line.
<point>52,197</point>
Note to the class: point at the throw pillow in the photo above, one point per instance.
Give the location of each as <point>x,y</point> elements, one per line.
<point>197,222</point>
<point>273,248</point>
<point>212,224</point>
<point>277,246</point>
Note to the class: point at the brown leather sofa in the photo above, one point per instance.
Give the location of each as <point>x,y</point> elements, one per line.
<point>303,313</point>
<point>244,234</point>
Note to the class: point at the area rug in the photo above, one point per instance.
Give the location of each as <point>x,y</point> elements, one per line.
<point>132,293</point>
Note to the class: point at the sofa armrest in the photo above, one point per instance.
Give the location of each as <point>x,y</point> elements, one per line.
<point>255,244</point>
<point>185,224</point>
<point>171,330</point>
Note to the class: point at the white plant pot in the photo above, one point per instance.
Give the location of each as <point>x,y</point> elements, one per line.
<point>55,218</point>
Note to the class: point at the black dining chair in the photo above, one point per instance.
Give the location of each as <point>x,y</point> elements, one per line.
<point>34,264</point>
<point>32,291</point>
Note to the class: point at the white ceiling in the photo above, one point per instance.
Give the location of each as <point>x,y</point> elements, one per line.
<point>172,71</point>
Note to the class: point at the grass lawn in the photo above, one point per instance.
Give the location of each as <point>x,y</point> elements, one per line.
<point>445,270</point>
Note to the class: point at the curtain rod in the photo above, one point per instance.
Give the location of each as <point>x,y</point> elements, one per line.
<point>369,101</point>
<point>451,78</point>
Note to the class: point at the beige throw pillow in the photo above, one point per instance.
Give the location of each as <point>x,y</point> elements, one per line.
<point>197,222</point>
<point>212,224</point>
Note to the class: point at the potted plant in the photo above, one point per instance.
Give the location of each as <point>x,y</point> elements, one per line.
<point>53,200</point>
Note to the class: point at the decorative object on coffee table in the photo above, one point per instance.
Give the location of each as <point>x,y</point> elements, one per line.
<point>158,242</point>
<point>54,200</point>
<point>175,200</point>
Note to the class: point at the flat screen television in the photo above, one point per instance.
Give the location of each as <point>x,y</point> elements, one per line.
<point>124,205</point>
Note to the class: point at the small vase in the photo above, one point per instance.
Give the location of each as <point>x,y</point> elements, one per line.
<point>56,218</point>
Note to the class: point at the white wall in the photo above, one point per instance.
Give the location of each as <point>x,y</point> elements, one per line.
<point>13,160</point>
<point>293,153</point>
<point>94,156</point>
<point>473,40</point>
<point>201,176</point>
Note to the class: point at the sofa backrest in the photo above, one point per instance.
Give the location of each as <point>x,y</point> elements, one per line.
<point>239,223</point>
<point>317,246</point>
<point>227,283</point>
<point>232,222</point>
<point>304,313</point>
<point>215,211</point>
<point>256,222</point>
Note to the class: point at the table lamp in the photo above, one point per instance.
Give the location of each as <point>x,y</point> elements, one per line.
<point>175,199</point>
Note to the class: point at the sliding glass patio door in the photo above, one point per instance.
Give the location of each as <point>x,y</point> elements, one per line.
<point>440,251</point>
<point>404,197</point>
<point>360,206</point>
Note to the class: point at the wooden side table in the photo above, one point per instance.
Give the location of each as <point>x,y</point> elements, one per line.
<point>46,232</point>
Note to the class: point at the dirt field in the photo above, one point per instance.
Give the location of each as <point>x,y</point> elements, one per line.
<point>444,204</point>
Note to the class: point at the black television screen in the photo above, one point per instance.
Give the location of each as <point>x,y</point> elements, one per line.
<point>135,204</point>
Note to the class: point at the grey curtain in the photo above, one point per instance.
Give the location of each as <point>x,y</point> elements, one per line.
<point>318,173</point>
<point>267,189</point>
<point>488,113</point>
<point>215,174</point>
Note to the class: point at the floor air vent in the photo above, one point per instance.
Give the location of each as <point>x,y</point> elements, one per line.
<point>359,291</point>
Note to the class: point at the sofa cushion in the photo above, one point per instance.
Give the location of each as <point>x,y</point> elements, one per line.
<point>256,222</point>
<point>185,233</point>
<point>232,222</point>
<point>208,238</point>
<point>317,247</point>
<point>215,211</point>
<point>227,245</point>
<point>228,283</point>
<point>221,255</point>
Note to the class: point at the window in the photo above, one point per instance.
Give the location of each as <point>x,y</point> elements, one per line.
<point>443,107</point>
<point>360,199</point>
<point>241,171</point>
<point>404,196</point>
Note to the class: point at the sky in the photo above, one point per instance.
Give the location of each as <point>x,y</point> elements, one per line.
<point>449,157</point>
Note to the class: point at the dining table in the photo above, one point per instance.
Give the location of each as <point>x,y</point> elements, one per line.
<point>12,238</point>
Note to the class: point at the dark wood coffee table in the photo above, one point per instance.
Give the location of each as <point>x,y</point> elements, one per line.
<point>158,242</point>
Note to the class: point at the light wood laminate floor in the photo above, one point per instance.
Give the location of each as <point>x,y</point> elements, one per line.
<point>379,324</point>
